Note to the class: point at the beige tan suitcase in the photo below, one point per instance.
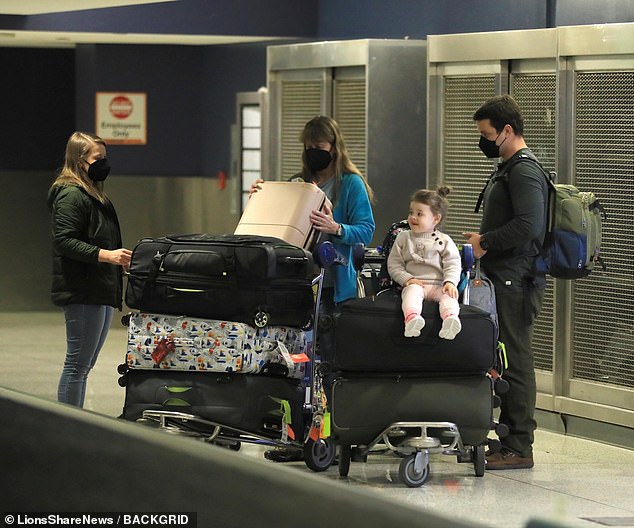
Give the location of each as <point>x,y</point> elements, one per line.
<point>282,210</point>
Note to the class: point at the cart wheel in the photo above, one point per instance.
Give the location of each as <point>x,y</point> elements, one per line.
<point>230,445</point>
<point>408,473</point>
<point>260,319</point>
<point>479,460</point>
<point>319,455</point>
<point>345,455</point>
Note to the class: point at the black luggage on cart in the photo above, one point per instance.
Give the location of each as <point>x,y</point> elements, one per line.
<point>369,338</point>
<point>363,405</point>
<point>255,404</point>
<point>252,279</point>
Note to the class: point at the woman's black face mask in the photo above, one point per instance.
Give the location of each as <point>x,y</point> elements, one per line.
<point>317,159</point>
<point>99,170</point>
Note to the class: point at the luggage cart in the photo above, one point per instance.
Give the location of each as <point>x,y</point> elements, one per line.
<point>318,450</point>
<point>413,439</point>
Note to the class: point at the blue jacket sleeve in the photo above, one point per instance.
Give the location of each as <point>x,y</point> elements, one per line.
<point>354,212</point>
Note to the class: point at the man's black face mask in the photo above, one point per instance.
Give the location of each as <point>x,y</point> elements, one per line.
<point>488,147</point>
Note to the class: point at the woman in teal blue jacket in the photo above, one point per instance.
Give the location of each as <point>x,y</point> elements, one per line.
<point>327,164</point>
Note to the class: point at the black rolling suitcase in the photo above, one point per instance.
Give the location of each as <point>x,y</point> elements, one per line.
<point>362,406</point>
<point>252,279</point>
<point>369,338</point>
<point>254,404</point>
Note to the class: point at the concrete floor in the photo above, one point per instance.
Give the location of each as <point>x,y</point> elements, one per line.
<point>575,482</point>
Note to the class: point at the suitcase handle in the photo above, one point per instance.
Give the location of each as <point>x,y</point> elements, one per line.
<point>205,263</point>
<point>301,259</point>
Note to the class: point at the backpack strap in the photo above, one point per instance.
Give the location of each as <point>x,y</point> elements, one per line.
<point>503,175</point>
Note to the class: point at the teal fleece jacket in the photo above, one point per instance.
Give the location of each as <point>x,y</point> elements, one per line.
<point>353,211</point>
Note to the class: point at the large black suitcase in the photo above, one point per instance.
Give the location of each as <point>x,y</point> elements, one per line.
<point>369,338</point>
<point>255,404</point>
<point>363,406</point>
<point>252,279</point>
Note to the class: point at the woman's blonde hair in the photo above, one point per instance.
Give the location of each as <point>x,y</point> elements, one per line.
<point>78,146</point>
<point>325,129</point>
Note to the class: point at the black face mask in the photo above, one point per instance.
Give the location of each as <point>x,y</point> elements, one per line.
<point>488,147</point>
<point>317,159</point>
<point>98,170</point>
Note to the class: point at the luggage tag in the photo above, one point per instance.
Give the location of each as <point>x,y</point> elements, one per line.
<point>164,347</point>
<point>287,419</point>
<point>291,359</point>
<point>324,430</point>
<point>315,428</point>
<point>287,430</point>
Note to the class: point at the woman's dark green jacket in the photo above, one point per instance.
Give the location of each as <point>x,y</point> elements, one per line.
<point>81,226</point>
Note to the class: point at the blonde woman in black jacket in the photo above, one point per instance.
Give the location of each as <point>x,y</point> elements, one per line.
<point>88,259</point>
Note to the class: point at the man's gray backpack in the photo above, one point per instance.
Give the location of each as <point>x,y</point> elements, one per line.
<point>572,246</point>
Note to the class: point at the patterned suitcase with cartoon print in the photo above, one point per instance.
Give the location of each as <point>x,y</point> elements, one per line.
<point>193,344</point>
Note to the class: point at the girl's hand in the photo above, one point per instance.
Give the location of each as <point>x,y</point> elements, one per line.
<point>449,289</point>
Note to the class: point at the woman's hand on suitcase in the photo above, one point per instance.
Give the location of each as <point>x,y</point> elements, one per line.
<point>323,220</point>
<point>118,257</point>
<point>255,186</point>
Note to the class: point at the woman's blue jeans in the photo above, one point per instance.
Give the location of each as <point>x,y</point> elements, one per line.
<point>87,326</point>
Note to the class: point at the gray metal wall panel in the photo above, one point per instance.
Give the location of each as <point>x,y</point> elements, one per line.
<point>603,304</point>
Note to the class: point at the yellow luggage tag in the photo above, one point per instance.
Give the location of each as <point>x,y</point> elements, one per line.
<point>505,359</point>
<point>324,429</point>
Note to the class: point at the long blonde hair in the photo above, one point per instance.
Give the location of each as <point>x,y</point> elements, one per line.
<point>79,144</point>
<point>324,128</point>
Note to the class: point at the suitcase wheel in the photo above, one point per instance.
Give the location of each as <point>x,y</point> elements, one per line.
<point>345,456</point>
<point>319,455</point>
<point>412,476</point>
<point>123,381</point>
<point>261,319</point>
<point>501,430</point>
<point>122,368</point>
<point>479,460</point>
<point>501,386</point>
<point>125,319</point>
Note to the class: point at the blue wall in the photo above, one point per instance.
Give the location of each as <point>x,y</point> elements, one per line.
<point>37,92</point>
<point>417,19</point>
<point>191,90</point>
<point>172,78</point>
<point>273,18</point>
